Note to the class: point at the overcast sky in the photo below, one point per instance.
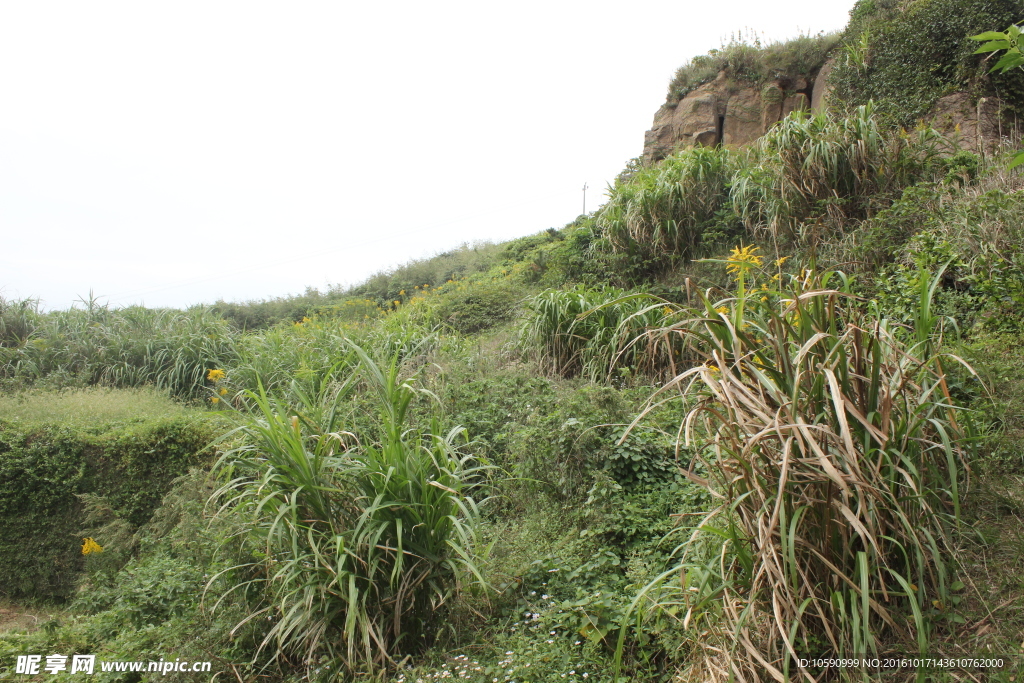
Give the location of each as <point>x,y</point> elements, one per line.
<point>177,153</point>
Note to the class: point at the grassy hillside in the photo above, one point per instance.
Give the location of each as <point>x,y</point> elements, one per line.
<point>762,407</point>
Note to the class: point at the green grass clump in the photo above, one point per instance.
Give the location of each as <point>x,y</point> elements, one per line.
<point>662,213</point>
<point>599,333</point>
<point>814,175</point>
<point>831,438</point>
<point>124,347</point>
<point>363,539</point>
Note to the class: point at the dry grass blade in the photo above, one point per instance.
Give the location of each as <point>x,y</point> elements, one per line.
<point>836,451</point>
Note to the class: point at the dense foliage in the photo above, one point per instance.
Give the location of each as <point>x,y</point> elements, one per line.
<point>732,419</point>
<point>905,55</point>
<point>46,469</point>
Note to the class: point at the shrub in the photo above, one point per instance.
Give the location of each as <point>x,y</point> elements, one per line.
<point>660,215</point>
<point>361,542</point>
<point>904,56</point>
<point>480,305</point>
<point>833,444</point>
<point>45,469</point>
<point>813,174</point>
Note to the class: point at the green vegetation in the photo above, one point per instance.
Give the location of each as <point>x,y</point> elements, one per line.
<point>764,405</point>
<point>1012,58</point>
<point>815,174</point>
<point>51,473</point>
<point>663,213</point>
<point>904,56</point>
<point>828,435</point>
<point>361,543</point>
<point>745,58</point>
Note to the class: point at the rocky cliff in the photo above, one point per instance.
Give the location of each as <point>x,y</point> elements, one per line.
<point>729,112</point>
<point>913,59</point>
<point>735,114</point>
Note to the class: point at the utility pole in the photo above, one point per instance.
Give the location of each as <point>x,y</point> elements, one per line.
<point>584,199</point>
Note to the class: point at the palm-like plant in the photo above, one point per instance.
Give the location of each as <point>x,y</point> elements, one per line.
<point>359,545</point>
<point>815,171</point>
<point>662,212</point>
<point>835,448</point>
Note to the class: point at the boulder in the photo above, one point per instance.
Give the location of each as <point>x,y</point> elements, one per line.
<point>723,112</point>
<point>978,126</point>
<point>821,88</point>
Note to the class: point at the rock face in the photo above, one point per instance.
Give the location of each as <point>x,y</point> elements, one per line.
<point>819,96</point>
<point>974,125</point>
<point>734,114</point>
<point>724,112</point>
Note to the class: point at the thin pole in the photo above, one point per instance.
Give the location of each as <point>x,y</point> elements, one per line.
<point>584,199</point>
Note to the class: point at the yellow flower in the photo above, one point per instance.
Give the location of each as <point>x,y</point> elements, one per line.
<point>401,292</point>
<point>722,309</point>
<point>780,261</point>
<point>711,366</point>
<point>214,399</point>
<point>743,258</point>
<point>666,310</point>
<point>216,375</point>
<point>222,391</point>
<point>764,298</point>
<point>90,546</point>
<point>397,302</point>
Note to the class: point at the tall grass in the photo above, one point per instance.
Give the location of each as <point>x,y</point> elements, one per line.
<point>814,174</point>
<point>361,539</point>
<point>126,347</point>
<point>662,213</point>
<point>600,333</point>
<point>834,447</point>
<point>17,321</point>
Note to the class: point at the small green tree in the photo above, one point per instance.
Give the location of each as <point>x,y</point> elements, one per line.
<point>994,41</point>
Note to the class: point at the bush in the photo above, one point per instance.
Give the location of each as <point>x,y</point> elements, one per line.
<point>479,305</point>
<point>45,469</point>
<point>814,175</point>
<point>904,56</point>
<point>832,442</point>
<point>660,215</point>
<point>361,540</point>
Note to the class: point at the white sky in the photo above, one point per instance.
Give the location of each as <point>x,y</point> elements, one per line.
<point>177,153</point>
